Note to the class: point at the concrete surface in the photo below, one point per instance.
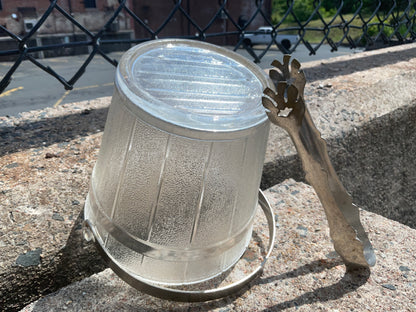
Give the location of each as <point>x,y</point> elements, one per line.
<point>364,105</point>
<point>303,273</point>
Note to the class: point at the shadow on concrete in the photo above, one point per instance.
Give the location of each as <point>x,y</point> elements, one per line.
<point>376,164</point>
<point>350,282</point>
<point>75,261</point>
<point>48,131</point>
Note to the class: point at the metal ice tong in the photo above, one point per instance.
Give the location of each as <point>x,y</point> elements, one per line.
<point>348,235</point>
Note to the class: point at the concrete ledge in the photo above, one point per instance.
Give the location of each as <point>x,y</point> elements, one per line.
<point>303,274</point>
<point>364,105</point>
<point>45,169</point>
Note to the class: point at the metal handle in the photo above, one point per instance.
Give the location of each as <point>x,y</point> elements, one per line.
<point>187,295</point>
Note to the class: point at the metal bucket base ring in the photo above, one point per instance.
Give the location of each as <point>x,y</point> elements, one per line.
<point>189,295</point>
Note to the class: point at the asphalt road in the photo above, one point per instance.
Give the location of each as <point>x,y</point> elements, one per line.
<point>32,88</point>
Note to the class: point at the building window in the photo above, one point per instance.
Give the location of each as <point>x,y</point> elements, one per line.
<point>90,4</point>
<point>1,7</point>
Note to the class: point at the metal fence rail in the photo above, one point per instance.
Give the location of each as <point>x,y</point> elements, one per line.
<point>382,22</point>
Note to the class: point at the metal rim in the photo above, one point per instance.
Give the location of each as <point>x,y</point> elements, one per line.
<point>189,295</point>
<point>153,250</point>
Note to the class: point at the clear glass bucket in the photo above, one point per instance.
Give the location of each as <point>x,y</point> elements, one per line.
<point>174,190</point>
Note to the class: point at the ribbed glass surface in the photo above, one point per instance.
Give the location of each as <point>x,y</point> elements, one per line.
<point>196,88</point>
<point>169,204</point>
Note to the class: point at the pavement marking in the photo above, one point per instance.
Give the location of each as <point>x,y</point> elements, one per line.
<point>58,60</point>
<point>61,99</point>
<point>8,92</point>
<point>95,86</point>
<point>86,87</point>
<point>77,89</point>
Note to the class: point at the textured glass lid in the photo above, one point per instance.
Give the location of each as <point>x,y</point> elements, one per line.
<point>195,85</point>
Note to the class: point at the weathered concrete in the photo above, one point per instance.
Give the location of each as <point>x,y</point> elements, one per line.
<point>303,273</point>
<point>368,118</point>
<point>376,163</point>
<point>45,168</point>
<point>363,104</point>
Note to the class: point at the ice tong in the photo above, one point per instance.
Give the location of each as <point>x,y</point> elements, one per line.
<point>349,237</point>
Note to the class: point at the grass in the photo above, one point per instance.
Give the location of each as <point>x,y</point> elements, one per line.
<point>315,33</point>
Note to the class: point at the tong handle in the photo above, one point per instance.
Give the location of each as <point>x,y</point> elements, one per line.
<point>349,237</point>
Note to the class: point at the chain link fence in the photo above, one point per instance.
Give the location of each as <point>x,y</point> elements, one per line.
<point>286,25</point>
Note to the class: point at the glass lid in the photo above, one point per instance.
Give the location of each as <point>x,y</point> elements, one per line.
<point>194,85</point>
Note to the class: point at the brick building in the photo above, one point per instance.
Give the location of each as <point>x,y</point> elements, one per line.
<point>154,12</point>
<point>20,16</point>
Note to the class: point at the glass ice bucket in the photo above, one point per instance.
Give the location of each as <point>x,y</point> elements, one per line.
<point>174,191</point>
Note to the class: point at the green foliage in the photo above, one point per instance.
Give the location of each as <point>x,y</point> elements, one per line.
<point>303,9</point>
<point>374,30</point>
<point>402,28</point>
